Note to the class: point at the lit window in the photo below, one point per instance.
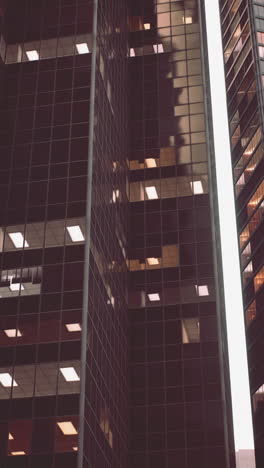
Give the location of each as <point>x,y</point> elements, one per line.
<point>154,297</point>
<point>70,374</point>
<point>241,180</point>
<point>115,195</point>
<point>32,55</point>
<point>105,426</point>
<point>244,236</point>
<point>7,381</point>
<point>150,162</point>
<point>67,428</point>
<point>158,48</point>
<point>10,437</point>
<point>153,261</point>
<point>73,327</point>
<point>202,290</point>
<point>75,449</point>
<point>16,287</point>
<point>132,52</point>
<point>249,268</point>
<point>75,233</point>
<point>259,279</point>
<point>197,187</point>
<point>190,330</point>
<point>18,240</point>
<point>251,312</point>
<point>187,19</point>
<point>261,51</point>
<point>18,453</point>
<point>151,193</point>
<point>13,333</point>
<point>260,36</point>
<point>82,48</point>
<point>146,25</point>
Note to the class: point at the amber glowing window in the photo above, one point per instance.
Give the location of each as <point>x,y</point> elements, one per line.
<point>256,199</point>
<point>251,312</point>
<point>259,279</point>
<point>105,425</point>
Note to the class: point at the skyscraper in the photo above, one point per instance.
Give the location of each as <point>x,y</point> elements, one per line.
<point>242,29</point>
<point>113,304</point>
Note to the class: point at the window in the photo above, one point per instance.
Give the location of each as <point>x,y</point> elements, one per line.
<point>259,279</point>
<point>251,312</point>
<point>105,426</point>
<point>258,398</point>
<point>158,48</point>
<point>190,330</point>
<point>32,55</point>
<point>202,290</point>
<point>153,297</point>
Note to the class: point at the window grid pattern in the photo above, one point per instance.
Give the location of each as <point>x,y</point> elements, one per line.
<point>44,144</point>
<point>244,99</point>
<point>175,391</point>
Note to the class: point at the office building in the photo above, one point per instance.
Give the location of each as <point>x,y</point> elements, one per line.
<point>113,326</point>
<point>243,39</point>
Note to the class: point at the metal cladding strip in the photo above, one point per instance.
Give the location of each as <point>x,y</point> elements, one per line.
<point>85,310</point>
<point>237,349</point>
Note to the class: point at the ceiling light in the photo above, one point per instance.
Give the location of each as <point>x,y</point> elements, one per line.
<point>13,333</point>
<point>7,381</point>
<point>67,428</point>
<point>82,48</point>
<point>154,297</point>
<point>75,449</point>
<point>32,55</point>
<point>16,287</point>
<point>146,25</point>
<point>70,374</point>
<point>150,162</point>
<point>18,453</point>
<point>75,233</point>
<point>18,240</point>
<point>202,290</point>
<point>197,187</point>
<point>158,48</point>
<point>151,193</point>
<point>73,327</point>
<point>10,437</point>
<point>153,261</point>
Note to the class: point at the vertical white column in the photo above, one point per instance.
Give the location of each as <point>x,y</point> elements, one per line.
<point>240,392</point>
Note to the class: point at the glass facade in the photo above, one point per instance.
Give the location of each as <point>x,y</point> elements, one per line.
<point>176,365</point>
<point>45,101</point>
<point>113,341</point>
<point>242,29</point>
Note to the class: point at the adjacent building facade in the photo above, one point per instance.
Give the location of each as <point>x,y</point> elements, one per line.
<point>242,30</point>
<point>113,332</point>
